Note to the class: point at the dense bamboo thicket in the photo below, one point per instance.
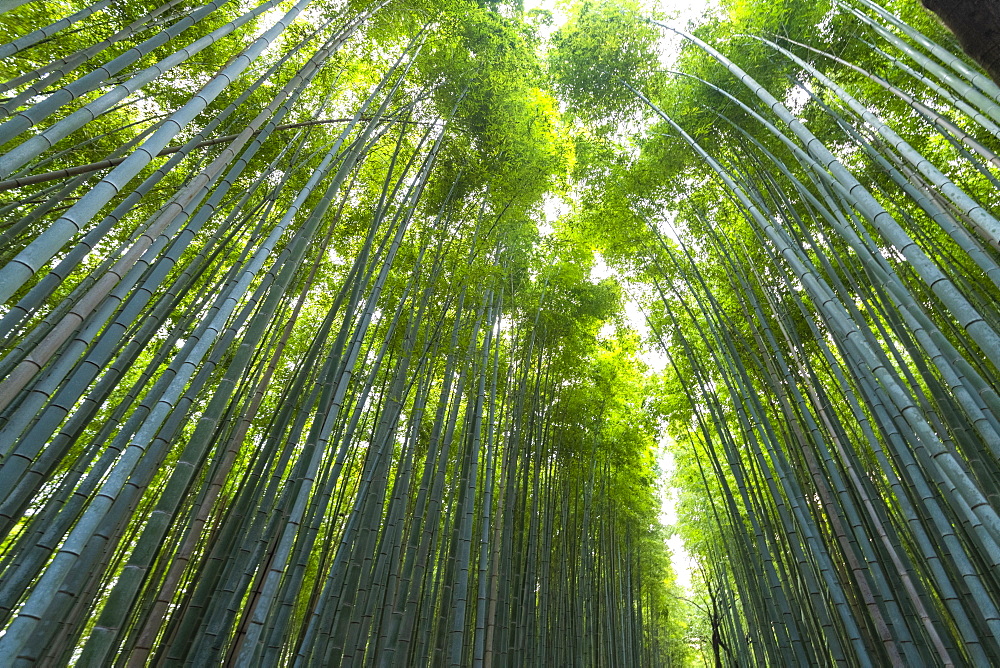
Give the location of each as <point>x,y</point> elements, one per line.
<point>812,215</point>
<point>289,375</point>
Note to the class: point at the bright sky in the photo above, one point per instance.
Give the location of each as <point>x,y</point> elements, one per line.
<point>684,11</point>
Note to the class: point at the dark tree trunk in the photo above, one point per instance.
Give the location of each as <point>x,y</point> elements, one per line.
<point>976,24</point>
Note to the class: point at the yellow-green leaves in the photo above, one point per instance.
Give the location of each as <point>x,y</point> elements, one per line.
<point>602,47</point>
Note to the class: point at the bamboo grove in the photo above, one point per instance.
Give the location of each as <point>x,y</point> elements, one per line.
<point>289,376</point>
<point>812,217</point>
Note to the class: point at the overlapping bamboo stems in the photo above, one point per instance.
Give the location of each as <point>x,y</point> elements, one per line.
<point>59,232</point>
<point>936,119</point>
<point>848,508</point>
<point>754,563</point>
<point>42,467</point>
<point>45,32</point>
<point>429,639</point>
<point>398,596</point>
<point>737,381</point>
<point>354,345</point>
<point>854,237</point>
<point>287,217</point>
<point>886,275</point>
<point>985,224</point>
<point>111,162</point>
<point>252,484</point>
<point>146,288</point>
<point>486,564</point>
<point>188,457</point>
<point>53,71</point>
<point>772,450</point>
<point>896,307</point>
<point>194,450</point>
<point>48,524</point>
<point>873,212</point>
<point>135,447</point>
<point>214,489</point>
<point>952,61</point>
<point>980,405</point>
<point>382,457</point>
<point>177,287</point>
<point>59,197</point>
<point>192,228</point>
<point>395,640</point>
<point>36,296</point>
<point>391,541</point>
<point>389,419</point>
<point>279,521</point>
<point>449,631</point>
<point>38,112</point>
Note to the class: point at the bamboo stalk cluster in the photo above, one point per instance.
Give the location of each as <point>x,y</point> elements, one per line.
<point>834,327</point>
<point>297,395</point>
